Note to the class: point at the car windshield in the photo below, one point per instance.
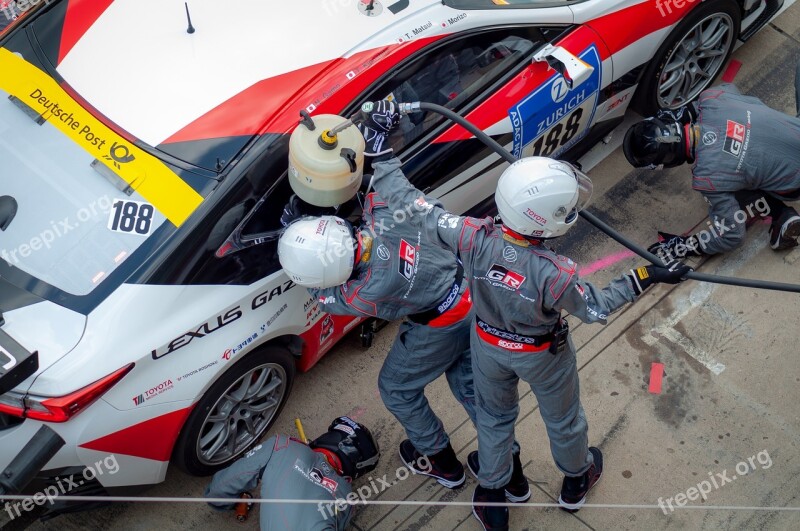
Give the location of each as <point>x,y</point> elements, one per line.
<point>76,199</point>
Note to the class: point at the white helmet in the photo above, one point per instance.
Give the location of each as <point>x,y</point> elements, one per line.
<point>541,197</point>
<point>317,252</point>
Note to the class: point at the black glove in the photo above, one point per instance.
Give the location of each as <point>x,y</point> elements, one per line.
<point>291,211</point>
<point>683,115</point>
<point>671,247</point>
<point>645,276</point>
<point>381,118</point>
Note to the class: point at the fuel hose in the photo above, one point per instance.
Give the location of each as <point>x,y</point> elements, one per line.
<point>591,218</point>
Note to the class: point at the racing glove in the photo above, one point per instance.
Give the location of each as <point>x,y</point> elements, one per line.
<point>291,211</point>
<point>644,277</point>
<point>683,115</point>
<point>296,208</point>
<point>380,118</point>
<point>671,247</point>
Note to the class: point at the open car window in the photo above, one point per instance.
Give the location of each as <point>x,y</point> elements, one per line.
<point>453,74</point>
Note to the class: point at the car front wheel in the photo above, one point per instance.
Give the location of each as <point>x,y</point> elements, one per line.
<point>236,411</point>
<point>691,58</point>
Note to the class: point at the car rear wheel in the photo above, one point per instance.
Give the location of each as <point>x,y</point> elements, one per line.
<point>236,411</point>
<point>691,57</point>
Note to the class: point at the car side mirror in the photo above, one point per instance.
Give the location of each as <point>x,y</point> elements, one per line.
<point>574,70</point>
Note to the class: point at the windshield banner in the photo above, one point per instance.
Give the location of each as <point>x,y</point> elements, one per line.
<point>172,196</point>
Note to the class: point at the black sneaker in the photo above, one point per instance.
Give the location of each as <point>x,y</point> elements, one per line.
<point>517,490</point>
<point>491,518</point>
<point>573,490</point>
<point>785,230</point>
<point>443,465</point>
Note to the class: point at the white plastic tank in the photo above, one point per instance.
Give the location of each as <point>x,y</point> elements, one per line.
<point>325,174</point>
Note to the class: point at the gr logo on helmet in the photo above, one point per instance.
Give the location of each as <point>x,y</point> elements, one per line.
<point>504,276</point>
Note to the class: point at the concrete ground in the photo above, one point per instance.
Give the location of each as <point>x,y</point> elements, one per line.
<point>726,409</point>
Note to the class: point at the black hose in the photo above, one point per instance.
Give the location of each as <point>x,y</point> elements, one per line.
<point>694,275</point>
<point>469,126</point>
<point>591,218</point>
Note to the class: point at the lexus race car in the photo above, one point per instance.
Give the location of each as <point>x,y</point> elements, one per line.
<point>143,171</point>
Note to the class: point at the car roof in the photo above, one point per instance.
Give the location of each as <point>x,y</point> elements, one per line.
<point>135,62</point>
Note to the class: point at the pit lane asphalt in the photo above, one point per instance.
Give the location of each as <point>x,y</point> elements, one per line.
<point>701,424</point>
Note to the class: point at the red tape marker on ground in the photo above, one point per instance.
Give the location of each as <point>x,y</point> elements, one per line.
<point>731,71</point>
<point>656,375</point>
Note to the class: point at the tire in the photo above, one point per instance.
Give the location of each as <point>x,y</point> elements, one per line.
<point>649,100</point>
<point>270,368</point>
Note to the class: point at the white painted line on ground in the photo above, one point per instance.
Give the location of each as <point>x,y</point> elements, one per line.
<point>697,353</point>
<point>697,297</point>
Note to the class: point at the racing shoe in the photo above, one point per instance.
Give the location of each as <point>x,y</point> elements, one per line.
<point>492,518</point>
<point>443,465</point>
<point>785,230</point>
<point>517,490</point>
<point>574,490</point>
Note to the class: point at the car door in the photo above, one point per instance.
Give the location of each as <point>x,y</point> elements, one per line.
<point>488,76</point>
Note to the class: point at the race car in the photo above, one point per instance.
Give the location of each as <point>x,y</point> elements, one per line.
<point>143,171</point>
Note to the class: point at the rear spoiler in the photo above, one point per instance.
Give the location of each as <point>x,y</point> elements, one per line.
<point>16,363</point>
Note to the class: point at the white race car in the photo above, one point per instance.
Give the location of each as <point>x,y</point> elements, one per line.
<point>143,160</point>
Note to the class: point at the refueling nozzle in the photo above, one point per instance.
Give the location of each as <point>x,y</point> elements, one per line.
<point>327,139</point>
<point>408,108</point>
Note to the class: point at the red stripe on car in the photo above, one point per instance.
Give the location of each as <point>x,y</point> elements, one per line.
<point>495,109</point>
<point>626,26</point>
<point>273,105</point>
<point>151,439</point>
<point>80,16</point>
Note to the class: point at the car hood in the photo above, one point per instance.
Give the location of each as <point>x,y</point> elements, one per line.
<point>171,79</point>
<point>45,327</point>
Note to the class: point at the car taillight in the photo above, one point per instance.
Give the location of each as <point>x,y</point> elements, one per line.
<point>62,408</point>
<point>13,404</point>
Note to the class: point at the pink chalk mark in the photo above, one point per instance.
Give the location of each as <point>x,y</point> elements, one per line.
<point>731,71</point>
<point>656,376</point>
<point>605,263</point>
<point>356,412</point>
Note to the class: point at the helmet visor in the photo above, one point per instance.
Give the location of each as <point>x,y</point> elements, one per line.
<point>585,188</point>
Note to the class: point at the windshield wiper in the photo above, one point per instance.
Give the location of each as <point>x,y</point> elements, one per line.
<point>8,209</point>
<point>33,115</point>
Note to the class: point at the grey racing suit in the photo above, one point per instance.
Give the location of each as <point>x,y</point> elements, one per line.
<point>287,469</point>
<point>518,290</point>
<point>743,145</point>
<point>402,274</point>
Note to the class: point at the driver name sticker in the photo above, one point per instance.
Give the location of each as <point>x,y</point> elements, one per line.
<point>131,217</point>
<point>554,117</point>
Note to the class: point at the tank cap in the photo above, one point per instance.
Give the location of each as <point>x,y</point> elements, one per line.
<point>327,141</point>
